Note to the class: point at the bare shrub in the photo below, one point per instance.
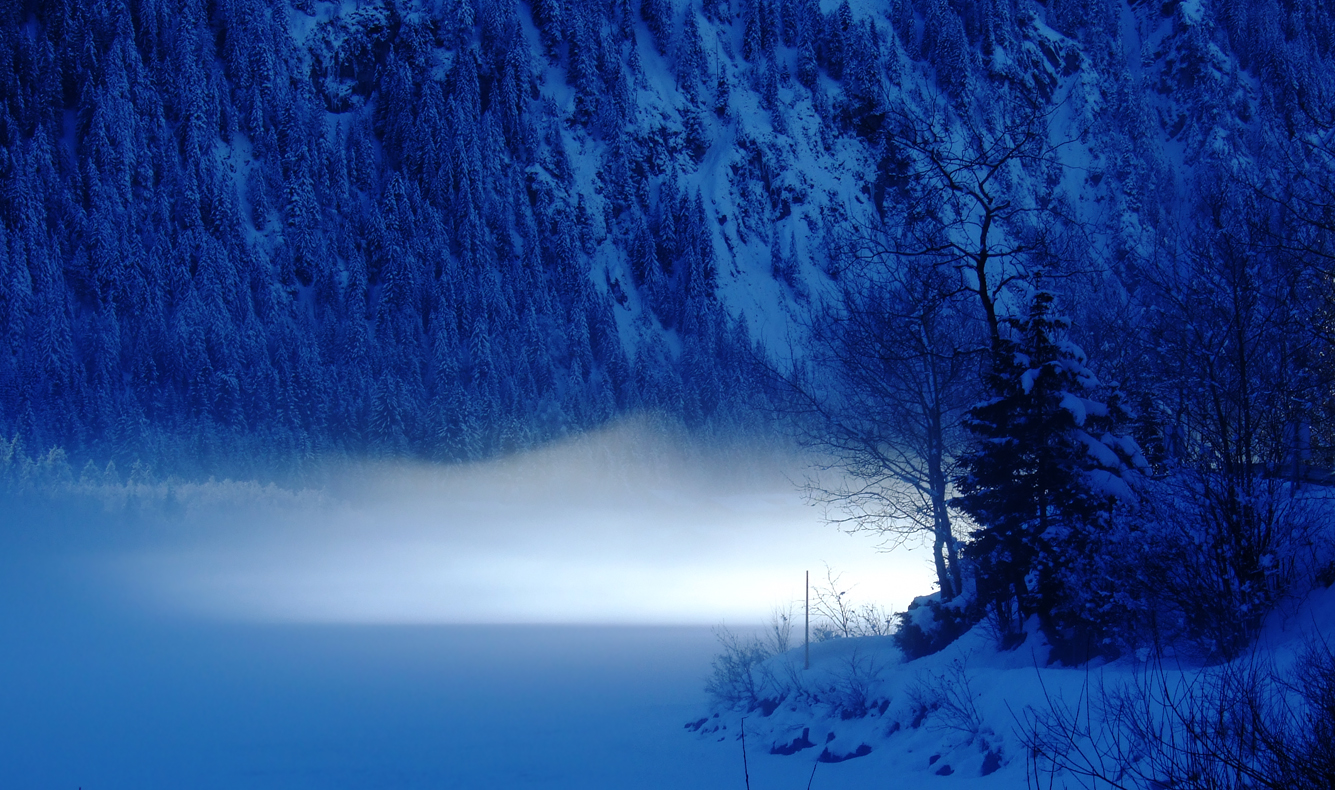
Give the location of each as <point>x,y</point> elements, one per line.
<point>948,698</point>
<point>1245,724</point>
<point>739,678</point>
<point>779,630</point>
<point>852,690</point>
<point>833,605</point>
<point>839,617</point>
<point>874,620</point>
<point>756,672</point>
<point>793,680</point>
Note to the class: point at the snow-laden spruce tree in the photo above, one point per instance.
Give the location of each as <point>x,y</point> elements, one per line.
<point>1047,466</point>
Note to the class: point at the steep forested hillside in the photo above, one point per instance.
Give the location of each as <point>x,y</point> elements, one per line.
<point>255,231</point>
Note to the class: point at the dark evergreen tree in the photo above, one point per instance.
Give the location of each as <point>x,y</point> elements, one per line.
<point>690,58</point>
<point>657,15</point>
<point>548,15</point>
<point>1045,472</point>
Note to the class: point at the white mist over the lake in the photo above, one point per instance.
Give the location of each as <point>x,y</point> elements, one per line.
<point>620,527</point>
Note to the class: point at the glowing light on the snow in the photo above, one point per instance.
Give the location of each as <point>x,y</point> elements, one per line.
<point>608,529</point>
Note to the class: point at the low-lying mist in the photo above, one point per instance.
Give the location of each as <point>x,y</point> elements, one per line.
<point>625,526</point>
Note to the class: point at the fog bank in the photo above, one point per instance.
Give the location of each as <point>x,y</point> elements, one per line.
<point>620,527</point>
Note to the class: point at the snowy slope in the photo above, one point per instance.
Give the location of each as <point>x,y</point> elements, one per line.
<point>965,717</point>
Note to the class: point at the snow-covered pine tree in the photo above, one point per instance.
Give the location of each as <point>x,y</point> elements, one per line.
<point>1045,471</point>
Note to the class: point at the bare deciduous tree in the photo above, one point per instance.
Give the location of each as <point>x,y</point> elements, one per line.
<point>965,202</point>
<point>920,296</point>
<point>1231,343</point>
<point>894,366</point>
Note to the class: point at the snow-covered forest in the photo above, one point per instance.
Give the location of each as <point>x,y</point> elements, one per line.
<point>1045,287</point>
<point>255,230</point>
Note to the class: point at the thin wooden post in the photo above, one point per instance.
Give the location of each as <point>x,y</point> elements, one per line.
<point>746,769</point>
<point>807,639</point>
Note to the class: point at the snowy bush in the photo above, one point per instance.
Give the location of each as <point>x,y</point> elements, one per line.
<point>1233,555</point>
<point>930,624</point>
<point>1198,562</point>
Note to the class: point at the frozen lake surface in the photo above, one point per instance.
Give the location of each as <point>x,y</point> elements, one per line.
<point>100,699</point>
